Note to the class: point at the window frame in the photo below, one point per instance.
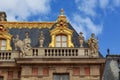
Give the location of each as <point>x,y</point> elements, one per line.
<point>1,44</point>
<point>61,41</point>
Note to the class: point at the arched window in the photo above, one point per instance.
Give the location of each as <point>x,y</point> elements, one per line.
<point>2,44</point>
<point>61,41</point>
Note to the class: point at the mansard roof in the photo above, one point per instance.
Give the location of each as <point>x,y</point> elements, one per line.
<point>34,34</point>
<point>34,29</point>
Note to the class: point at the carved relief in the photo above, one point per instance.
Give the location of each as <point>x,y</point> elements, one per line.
<point>41,39</point>
<point>93,44</point>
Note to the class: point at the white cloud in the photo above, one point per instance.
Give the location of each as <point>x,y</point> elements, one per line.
<point>103,3</point>
<point>87,6</point>
<point>89,9</point>
<point>86,25</point>
<point>116,3</point>
<point>22,9</point>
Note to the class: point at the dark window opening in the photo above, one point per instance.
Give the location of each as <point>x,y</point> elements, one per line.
<point>1,78</point>
<point>60,76</point>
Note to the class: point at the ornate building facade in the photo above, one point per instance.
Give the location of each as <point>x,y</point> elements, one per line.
<point>47,51</point>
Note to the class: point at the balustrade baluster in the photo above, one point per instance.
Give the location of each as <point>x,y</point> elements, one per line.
<point>0,56</point>
<point>36,52</point>
<point>6,55</point>
<point>9,55</point>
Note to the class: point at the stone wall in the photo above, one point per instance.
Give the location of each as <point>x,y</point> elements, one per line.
<point>46,72</point>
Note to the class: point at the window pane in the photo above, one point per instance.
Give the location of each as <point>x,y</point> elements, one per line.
<point>61,41</point>
<point>58,44</point>
<point>3,48</point>
<point>57,38</point>
<point>3,43</point>
<point>56,77</point>
<point>61,77</point>
<point>65,77</point>
<point>64,44</point>
<point>64,38</point>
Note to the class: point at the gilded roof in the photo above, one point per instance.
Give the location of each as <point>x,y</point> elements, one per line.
<point>27,24</point>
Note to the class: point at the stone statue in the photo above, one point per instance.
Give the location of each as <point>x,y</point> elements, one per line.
<point>27,40</point>
<point>81,39</point>
<point>93,44</point>
<point>15,41</point>
<point>41,39</point>
<point>19,45</point>
<point>23,46</point>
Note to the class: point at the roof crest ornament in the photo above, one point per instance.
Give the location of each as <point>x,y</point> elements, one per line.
<point>62,12</point>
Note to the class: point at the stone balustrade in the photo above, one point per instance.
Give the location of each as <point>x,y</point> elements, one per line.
<point>8,55</point>
<point>46,52</point>
<point>60,52</point>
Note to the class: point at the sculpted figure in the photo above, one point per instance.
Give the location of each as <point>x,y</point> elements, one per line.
<point>41,39</point>
<point>27,41</point>
<point>15,41</point>
<point>81,39</point>
<point>24,46</point>
<point>18,44</point>
<point>93,44</point>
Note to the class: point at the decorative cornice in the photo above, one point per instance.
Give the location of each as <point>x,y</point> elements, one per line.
<point>27,24</point>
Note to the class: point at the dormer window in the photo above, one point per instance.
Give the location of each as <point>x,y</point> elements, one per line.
<point>61,41</point>
<point>2,44</point>
<point>61,35</point>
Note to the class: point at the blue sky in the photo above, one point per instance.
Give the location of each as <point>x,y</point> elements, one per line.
<point>101,17</point>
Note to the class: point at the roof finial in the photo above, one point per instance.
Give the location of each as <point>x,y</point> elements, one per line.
<point>62,11</point>
<point>108,51</point>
